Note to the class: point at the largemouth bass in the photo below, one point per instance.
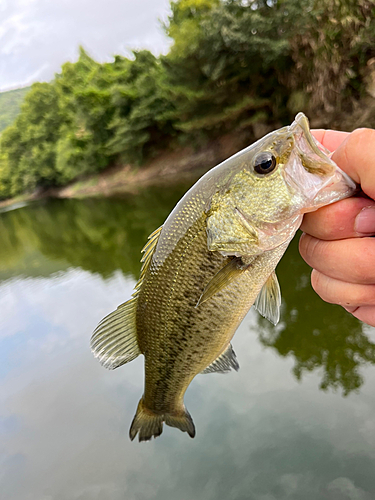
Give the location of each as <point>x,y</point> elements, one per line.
<point>213,258</point>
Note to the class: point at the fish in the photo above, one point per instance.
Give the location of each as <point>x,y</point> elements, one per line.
<point>213,258</point>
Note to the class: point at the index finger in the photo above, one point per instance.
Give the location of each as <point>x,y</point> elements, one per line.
<point>330,139</point>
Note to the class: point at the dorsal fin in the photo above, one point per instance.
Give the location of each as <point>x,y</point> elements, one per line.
<point>147,251</point>
<point>269,299</point>
<point>226,362</point>
<point>114,341</point>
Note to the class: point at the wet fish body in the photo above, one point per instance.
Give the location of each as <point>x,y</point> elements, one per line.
<point>214,258</point>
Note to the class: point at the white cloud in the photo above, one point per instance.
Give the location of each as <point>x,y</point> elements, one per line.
<point>345,488</point>
<point>11,322</point>
<point>65,419</point>
<point>38,36</point>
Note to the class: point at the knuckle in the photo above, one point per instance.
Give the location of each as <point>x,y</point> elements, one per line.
<point>311,248</point>
<point>362,134</point>
<point>315,280</point>
<point>365,295</point>
<point>320,285</point>
<point>358,140</point>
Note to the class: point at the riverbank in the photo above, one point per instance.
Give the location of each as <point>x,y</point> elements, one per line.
<point>165,168</point>
<point>187,162</point>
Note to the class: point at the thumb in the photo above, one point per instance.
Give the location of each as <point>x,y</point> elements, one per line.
<point>356,156</point>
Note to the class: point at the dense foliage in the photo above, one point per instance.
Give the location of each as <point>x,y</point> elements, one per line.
<point>233,64</point>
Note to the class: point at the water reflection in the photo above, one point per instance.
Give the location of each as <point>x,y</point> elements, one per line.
<point>99,235</point>
<point>103,235</point>
<point>317,335</point>
<point>261,434</point>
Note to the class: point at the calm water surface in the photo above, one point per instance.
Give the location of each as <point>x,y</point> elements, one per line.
<point>296,422</point>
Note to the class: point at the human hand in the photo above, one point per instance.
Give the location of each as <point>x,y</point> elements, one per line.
<point>337,241</point>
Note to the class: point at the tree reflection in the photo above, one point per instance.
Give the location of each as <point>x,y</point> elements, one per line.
<point>99,235</point>
<point>102,235</point>
<point>316,334</point>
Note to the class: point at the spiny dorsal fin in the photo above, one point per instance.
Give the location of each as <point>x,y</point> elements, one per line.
<point>226,362</point>
<point>232,270</point>
<point>147,251</point>
<point>269,299</point>
<point>114,341</point>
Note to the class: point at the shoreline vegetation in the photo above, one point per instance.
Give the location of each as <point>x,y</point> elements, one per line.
<point>236,69</point>
<point>168,166</point>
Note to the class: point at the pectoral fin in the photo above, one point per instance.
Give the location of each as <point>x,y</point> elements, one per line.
<point>269,299</point>
<point>226,362</point>
<point>232,270</point>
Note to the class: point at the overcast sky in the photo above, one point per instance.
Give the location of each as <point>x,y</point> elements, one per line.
<point>37,36</point>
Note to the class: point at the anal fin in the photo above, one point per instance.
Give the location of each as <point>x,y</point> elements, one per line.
<point>226,362</point>
<point>269,299</point>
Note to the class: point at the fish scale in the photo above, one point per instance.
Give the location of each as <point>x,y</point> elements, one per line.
<point>190,327</point>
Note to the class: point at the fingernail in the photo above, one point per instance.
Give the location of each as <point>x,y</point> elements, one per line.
<point>365,221</point>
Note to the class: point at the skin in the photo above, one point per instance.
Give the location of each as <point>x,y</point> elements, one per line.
<point>340,250</point>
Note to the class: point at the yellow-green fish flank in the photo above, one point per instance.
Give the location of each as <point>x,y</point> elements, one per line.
<point>213,258</point>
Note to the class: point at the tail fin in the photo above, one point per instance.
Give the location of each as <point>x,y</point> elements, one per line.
<point>184,422</point>
<point>148,424</point>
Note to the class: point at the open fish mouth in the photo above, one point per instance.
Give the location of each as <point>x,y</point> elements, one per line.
<point>313,169</point>
<point>318,149</point>
<point>302,121</point>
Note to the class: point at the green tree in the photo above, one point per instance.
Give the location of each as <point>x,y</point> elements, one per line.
<point>140,126</point>
<point>85,99</point>
<point>29,145</point>
<point>330,46</point>
<point>227,77</point>
<point>232,64</point>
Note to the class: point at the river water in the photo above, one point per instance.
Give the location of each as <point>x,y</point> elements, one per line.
<point>296,422</point>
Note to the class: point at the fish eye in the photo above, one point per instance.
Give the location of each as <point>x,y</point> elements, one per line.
<point>265,163</point>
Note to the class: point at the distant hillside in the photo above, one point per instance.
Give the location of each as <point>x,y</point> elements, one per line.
<point>10,103</point>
